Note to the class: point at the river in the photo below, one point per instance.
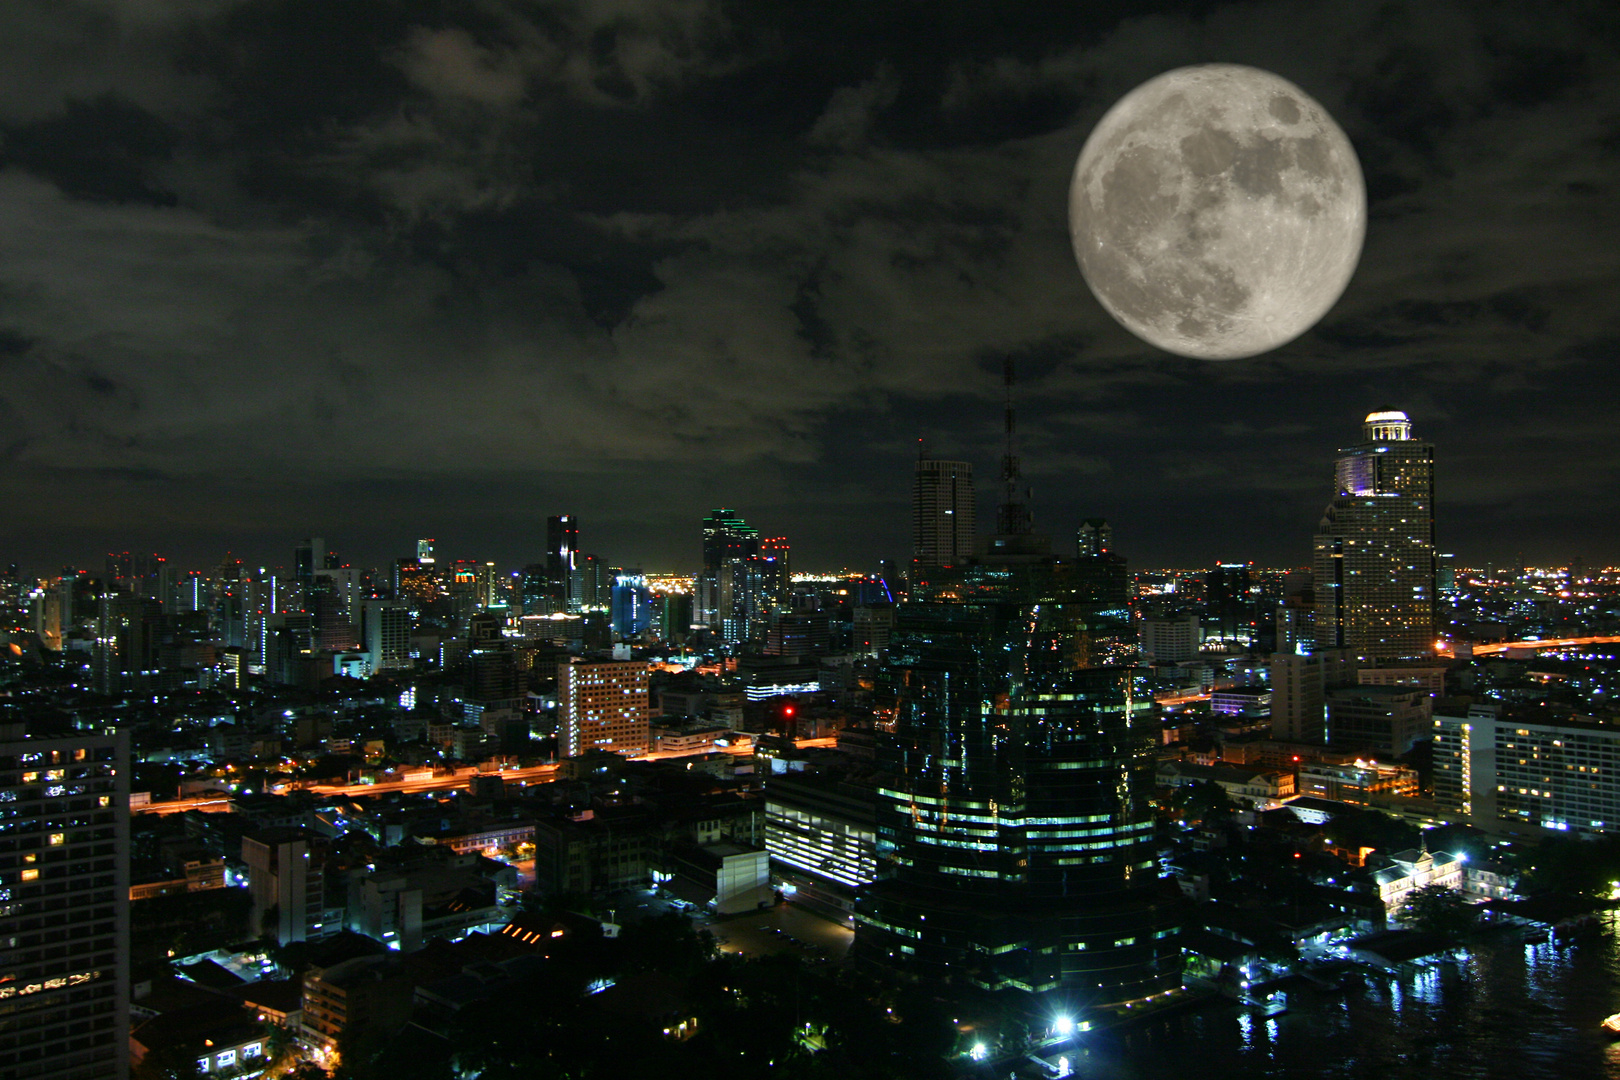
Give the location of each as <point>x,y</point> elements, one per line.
<point>1512,1010</point>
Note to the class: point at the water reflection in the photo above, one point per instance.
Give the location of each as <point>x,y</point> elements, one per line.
<point>1505,1010</point>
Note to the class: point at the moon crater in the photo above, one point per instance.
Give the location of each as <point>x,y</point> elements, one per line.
<point>1217,211</point>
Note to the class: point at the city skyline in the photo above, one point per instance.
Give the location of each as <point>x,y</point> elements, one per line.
<point>276,270</point>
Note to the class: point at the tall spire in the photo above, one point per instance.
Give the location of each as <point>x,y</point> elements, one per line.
<point>1014,517</point>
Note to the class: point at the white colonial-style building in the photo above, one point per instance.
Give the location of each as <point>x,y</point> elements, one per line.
<point>1413,870</point>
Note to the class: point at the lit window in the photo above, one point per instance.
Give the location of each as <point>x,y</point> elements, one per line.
<point>58,838</point>
<point>30,875</point>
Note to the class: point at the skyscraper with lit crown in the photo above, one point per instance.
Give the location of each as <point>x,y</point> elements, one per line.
<point>1374,552</point>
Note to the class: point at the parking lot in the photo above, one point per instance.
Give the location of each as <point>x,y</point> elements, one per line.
<point>778,929</point>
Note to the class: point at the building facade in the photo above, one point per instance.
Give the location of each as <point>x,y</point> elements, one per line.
<point>1013,817</point>
<point>1526,770</point>
<point>64,905</point>
<point>288,892</point>
<point>944,512</point>
<point>1377,720</point>
<point>1374,553</point>
<point>603,705</point>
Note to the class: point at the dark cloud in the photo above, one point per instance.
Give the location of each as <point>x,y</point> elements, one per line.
<point>372,269</point>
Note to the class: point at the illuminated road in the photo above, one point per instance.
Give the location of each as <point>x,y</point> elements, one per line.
<point>208,804</point>
<point>534,774</point>
<point>1540,643</point>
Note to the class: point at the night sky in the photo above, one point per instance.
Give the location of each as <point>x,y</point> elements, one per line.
<point>375,271</point>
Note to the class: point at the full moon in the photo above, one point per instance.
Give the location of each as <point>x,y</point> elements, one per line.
<point>1217,211</point>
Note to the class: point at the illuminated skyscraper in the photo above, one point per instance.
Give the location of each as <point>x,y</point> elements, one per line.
<point>1015,826</point>
<point>1374,552</point>
<point>727,536</point>
<point>562,560</point>
<point>944,511</point>
<point>728,541</point>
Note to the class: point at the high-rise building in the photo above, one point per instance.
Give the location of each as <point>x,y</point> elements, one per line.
<point>1300,684</point>
<point>1374,551</point>
<point>64,904</point>
<point>309,555</point>
<point>727,536</point>
<point>729,586</point>
<point>387,634</point>
<point>124,654</point>
<point>1230,602</point>
<point>562,560</point>
<point>1094,537</point>
<point>944,512</point>
<point>632,604</point>
<point>1015,825</point>
<point>1171,640</point>
<point>603,705</point>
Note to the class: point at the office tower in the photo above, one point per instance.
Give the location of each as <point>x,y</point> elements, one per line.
<point>415,583</point>
<point>493,590</point>
<point>632,604</point>
<point>1229,602</point>
<point>327,600</point>
<point>1014,813</point>
<point>944,512</point>
<point>534,590</point>
<point>562,560</point>
<point>603,705</point>
<point>1015,775</point>
<point>1101,577</point>
<point>387,635</point>
<point>593,585</point>
<point>124,654</point>
<point>724,593</point>
<point>727,536</point>
<point>46,606</point>
<point>776,572</point>
<point>1173,640</point>
<point>424,552</point>
<point>466,589</point>
<point>138,575</point>
<point>1299,686</point>
<point>1374,550</point>
<point>675,617</point>
<point>309,555</point>
<point>287,890</point>
<point>64,904</point>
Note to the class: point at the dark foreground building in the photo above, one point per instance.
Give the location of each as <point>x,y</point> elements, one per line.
<point>1014,824</point>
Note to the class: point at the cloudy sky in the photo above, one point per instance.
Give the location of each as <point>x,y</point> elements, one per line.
<point>376,271</point>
